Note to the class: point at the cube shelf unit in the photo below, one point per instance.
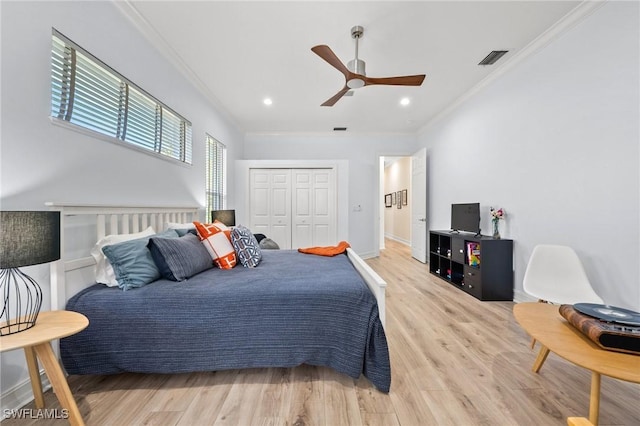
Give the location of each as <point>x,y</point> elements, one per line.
<point>479,265</point>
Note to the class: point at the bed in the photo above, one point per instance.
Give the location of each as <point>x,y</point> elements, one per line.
<point>292,309</point>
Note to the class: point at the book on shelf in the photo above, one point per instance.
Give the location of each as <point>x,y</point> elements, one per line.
<point>473,254</point>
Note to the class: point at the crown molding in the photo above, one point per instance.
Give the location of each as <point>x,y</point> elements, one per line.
<point>332,134</point>
<point>571,19</point>
<point>156,39</point>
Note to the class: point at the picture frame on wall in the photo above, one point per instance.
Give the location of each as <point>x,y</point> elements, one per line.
<point>399,196</point>
<point>404,197</point>
<point>387,200</point>
<point>393,198</point>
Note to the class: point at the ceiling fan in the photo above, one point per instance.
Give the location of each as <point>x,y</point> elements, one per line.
<point>354,72</point>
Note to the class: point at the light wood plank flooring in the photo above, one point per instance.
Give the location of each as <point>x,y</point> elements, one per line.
<point>455,361</point>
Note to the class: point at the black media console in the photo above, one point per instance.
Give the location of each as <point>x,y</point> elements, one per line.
<point>480,265</point>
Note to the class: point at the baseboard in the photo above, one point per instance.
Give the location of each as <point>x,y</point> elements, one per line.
<point>400,240</point>
<point>368,255</point>
<point>520,296</point>
<point>20,395</point>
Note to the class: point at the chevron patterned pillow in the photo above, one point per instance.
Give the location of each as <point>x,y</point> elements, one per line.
<point>246,246</point>
<point>216,239</point>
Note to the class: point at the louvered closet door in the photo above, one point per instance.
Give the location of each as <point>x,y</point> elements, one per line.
<point>313,208</point>
<point>270,204</point>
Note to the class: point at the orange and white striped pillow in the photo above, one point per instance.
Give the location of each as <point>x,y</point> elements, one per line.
<point>216,238</point>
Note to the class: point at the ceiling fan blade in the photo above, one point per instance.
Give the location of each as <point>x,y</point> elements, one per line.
<point>327,54</point>
<point>336,97</point>
<point>408,80</point>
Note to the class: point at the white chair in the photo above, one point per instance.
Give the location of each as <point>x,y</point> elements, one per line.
<point>556,275</point>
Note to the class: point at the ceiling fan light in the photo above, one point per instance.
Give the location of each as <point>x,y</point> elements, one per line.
<point>355,83</point>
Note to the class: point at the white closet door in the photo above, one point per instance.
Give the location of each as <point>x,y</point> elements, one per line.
<point>270,204</point>
<point>324,208</point>
<point>313,204</point>
<point>294,207</point>
<point>302,214</point>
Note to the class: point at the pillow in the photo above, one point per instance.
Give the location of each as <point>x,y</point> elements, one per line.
<point>182,228</point>
<point>179,258</point>
<point>104,270</point>
<point>217,240</point>
<point>246,246</point>
<point>268,244</point>
<point>132,262</point>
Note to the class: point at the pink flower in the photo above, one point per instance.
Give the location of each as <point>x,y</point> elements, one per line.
<point>497,214</point>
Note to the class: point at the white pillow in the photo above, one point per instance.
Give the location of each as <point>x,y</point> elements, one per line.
<point>104,270</point>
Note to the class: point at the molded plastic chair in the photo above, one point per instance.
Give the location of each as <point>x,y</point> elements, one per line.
<point>556,275</point>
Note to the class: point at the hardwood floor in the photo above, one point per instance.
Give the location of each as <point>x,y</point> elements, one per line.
<point>455,361</point>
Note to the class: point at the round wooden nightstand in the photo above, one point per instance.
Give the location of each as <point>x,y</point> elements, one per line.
<point>545,324</point>
<point>36,343</point>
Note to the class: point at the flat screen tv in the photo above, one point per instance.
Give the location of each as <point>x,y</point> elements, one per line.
<point>465,217</point>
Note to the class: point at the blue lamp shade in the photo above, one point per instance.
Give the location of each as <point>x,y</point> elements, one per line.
<point>228,217</point>
<point>26,238</point>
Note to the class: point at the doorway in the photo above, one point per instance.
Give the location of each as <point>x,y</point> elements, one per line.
<point>403,195</point>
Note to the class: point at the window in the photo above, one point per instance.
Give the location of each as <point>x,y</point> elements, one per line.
<point>216,191</point>
<point>89,94</point>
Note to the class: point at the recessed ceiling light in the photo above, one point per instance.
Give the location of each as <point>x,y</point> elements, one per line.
<point>405,101</point>
<point>267,101</point>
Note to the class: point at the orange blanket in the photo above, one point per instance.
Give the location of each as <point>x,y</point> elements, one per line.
<point>327,250</point>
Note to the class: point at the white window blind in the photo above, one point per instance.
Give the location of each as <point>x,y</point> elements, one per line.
<point>90,94</point>
<point>215,169</point>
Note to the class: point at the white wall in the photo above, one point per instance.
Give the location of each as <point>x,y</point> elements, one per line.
<point>361,152</point>
<point>555,142</point>
<point>42,162</point>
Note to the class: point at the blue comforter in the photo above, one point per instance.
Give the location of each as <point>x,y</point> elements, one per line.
<point>292,309</point>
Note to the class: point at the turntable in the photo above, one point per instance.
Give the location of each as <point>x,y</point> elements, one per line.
<point>611,328</point>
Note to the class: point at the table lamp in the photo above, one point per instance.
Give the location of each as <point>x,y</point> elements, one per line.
<point>228,217</point>
<point>26,238</point>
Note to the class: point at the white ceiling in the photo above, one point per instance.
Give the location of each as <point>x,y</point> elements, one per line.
<point>238,53</point>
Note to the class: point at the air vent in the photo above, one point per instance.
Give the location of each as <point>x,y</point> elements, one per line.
<point>349,93</point>
<point>339,129</point>
<point>493,57</point>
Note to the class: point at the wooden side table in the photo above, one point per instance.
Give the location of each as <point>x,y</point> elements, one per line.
<point>36,343</point>
<point>545,324</point>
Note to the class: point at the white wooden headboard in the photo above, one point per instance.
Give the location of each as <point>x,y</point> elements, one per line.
<point>106,220</point>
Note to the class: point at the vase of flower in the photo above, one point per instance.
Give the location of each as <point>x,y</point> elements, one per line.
<point>496,216</point>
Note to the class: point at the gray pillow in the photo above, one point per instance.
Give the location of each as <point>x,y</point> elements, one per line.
<point>179,258</point>
<point>132,263</point>
<point>268,243</point>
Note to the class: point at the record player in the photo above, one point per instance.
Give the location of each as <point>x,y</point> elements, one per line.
<point>610,327</point>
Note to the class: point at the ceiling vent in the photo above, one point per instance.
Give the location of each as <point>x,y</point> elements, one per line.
<point>349,93</point>
<point>339,129</point>
<point>493,57</point>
